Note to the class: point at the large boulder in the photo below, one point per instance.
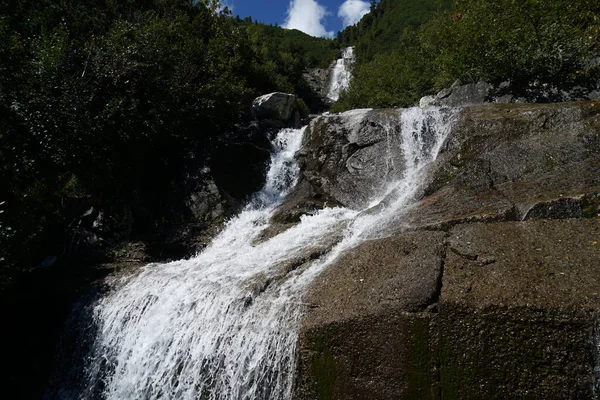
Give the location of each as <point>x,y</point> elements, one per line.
<point>350,157</point>
<point>277,106</point>
<point>462,95</point>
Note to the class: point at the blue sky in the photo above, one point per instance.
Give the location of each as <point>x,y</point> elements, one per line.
<point>322,18</point>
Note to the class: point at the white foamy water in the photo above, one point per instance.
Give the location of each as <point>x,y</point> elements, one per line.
<point>341,74</point>
<point>223,325</point>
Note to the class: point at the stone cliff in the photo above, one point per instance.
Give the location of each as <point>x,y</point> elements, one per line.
<point>485,288</point>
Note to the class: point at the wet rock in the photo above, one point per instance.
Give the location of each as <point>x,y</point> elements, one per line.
<point>512,162</point>
<point>566,191</point>
<point>303,259</point>
<point>508,142</point>
<point>528,153</point>
<point>459,95</point>
<point>274,229</point>
<point>318,80</point>
<point>357,340</point>
<point>303,200</point>
<point>239,162</point>
<point>205,202</point>
<point>372,357</point>
<point>451,206</point>
<point>524,325</point>
<point>400,272</point>
<point>350,157</point>
<point>546,264</point>
<point>519,305</point>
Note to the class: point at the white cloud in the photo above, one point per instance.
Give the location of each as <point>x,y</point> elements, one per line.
<point>351,11</point>
<point>307,16</point>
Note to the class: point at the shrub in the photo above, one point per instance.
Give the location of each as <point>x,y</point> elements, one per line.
<point>522,41</point>
<point>517,40</point>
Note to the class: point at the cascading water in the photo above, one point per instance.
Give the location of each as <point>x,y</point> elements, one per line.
<point>223,325</point>
<point>341,74</point>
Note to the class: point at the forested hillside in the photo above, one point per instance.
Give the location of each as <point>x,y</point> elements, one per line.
<point>410,48</point>
<point>381,30</point>
<point>115,102</point>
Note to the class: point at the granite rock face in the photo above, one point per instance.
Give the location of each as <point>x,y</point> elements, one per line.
<point>276,106</point>
<point>350,157</point>
<point>483,92</point>
<point>401,272</point>
<point>318,80</point>
<point>463,95</point>
<point>519,309</point>
<point>485,288</point>
<point>366,308</point>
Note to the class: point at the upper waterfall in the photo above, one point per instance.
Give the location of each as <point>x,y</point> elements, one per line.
<point>341,74</point>
<point>223,325</point>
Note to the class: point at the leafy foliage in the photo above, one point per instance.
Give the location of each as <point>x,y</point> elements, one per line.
<point>543,41</point>
<point>281,57</point>
<point>115,102</point>
<point>383,29</point>
<point>521,41</point>
<point>391,79</point>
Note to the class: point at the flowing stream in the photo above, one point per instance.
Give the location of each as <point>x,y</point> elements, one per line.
<point>341,74</point>
<point>224,324</point>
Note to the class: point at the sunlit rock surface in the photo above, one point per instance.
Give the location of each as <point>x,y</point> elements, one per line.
<point>277,106</point>
<point>509,222</point>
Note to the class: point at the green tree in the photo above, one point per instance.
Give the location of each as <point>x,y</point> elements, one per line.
<point>394,79</point>
<point>119,101</point>
<point>521,41</point>
<point>524,42</point>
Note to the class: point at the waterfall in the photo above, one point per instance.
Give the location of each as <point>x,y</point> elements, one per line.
<point>341,74</point>
<point>224,324</point>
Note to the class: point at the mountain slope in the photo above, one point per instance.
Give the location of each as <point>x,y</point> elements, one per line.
<point>407,48</point>
<point>382,29</point>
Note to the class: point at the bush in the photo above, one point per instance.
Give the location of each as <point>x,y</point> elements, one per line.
<point>121,103</point>
<point>395,79</point>
<point>521,41</point>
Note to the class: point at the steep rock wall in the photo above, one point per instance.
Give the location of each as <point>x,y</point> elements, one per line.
<point>350,156</point>
<point>486,288</point>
